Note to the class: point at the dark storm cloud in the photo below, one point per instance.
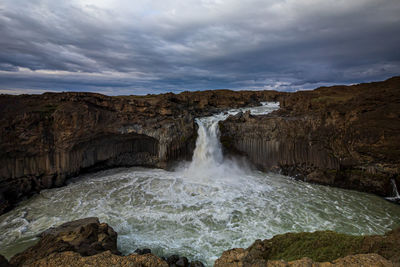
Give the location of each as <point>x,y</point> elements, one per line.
<point>120,47</point>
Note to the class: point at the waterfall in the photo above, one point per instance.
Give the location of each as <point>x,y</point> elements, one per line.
<point>208,151</point>
<point>396,195</point>
<point>395,191</point>
<point>208,162</point>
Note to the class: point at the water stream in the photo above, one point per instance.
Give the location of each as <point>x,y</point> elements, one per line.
<point>396,194</point>
<point>200,209</point>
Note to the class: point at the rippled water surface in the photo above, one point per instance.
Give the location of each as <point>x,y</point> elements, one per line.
<point>197,210</point>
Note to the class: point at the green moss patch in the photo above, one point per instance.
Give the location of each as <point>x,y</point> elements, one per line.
<point>319,246</point>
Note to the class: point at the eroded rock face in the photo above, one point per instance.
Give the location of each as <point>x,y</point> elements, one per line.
<point>344,136</point>
<point>86,237</point>
<point>48,138</point>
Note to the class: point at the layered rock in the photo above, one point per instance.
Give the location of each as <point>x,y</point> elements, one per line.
<point>345,136</point>
<point>47,138</point>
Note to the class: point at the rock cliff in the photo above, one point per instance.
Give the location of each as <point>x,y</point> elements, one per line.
<point>47,138</point>
<point>344,136</point>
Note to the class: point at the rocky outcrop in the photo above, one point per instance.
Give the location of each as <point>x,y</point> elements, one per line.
<point>86,237</point>
<point>323,248</point>
<point>344,136</point>
<point>48,138</point>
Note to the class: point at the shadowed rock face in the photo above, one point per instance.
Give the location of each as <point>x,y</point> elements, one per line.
<point>48,138</point>
<point>345,136</point>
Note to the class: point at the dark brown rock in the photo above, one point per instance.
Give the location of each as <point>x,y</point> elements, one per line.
<point>343,136</point>
<point>182,262</point>
<point>143,251</point>
<point>196,264</point>
<point>172,259</point>
<point>104,259</point>
<point>86,236</point>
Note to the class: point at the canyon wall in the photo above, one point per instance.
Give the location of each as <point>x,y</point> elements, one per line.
<point>344,136</point>
<point>48,138</point>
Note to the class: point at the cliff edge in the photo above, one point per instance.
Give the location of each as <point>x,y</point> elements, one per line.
<point>343,136</point>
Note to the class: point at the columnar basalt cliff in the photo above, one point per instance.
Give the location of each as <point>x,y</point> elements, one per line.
<point>47,138</point>
<point>345,136</point>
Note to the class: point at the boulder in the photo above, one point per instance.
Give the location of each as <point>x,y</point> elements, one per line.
<point>85,236</point>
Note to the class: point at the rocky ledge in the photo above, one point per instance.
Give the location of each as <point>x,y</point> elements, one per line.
<point>343,136</point>
<point>48,138</point>
<point>87,242</point>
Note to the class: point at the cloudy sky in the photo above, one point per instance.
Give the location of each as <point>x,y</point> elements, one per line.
<point>152,46</point>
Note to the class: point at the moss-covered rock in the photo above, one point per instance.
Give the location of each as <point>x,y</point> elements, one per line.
<point>320,246</point>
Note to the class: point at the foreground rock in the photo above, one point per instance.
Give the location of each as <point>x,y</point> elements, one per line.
<point>104,259</point>
<point>343,136</point>
<point>48,138</point>
<point>86,237</point>
<point>87,242</point>
<point>370,260</point>
<point>321,246</point>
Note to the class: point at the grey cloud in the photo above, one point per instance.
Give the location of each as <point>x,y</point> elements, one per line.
<point>191,45</point>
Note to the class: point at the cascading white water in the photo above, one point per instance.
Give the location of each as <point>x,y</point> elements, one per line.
<point>396,194</point>
<point>211,205</point>
<point>208,153</point>
<point>208,162</point>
